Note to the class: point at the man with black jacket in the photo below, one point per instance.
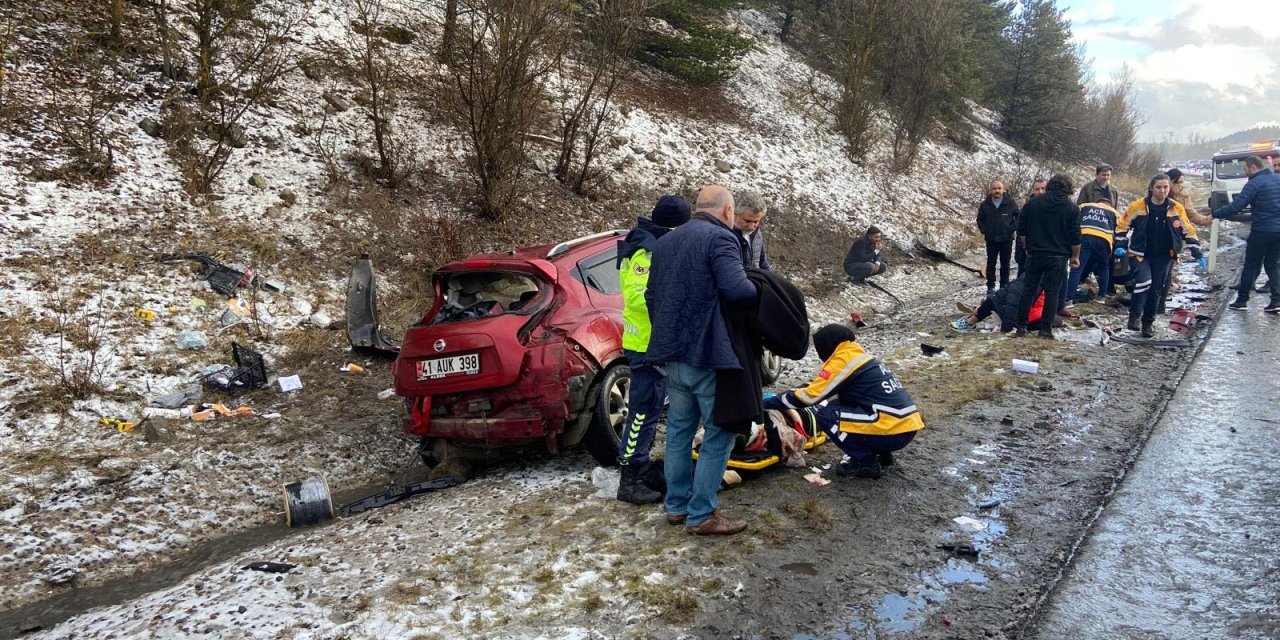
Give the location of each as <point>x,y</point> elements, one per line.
<point>1050,228</point>
<point>997,220</point>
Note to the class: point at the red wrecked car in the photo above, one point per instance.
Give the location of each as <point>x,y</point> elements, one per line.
<point>518,348</point>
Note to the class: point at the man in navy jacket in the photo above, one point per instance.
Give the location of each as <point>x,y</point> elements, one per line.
<point>1262,250</point>
<point>694,267</point>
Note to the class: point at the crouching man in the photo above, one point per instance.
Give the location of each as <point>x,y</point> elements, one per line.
<point>859,403</point>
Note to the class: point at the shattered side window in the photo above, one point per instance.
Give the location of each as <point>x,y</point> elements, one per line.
<point>486,293</point>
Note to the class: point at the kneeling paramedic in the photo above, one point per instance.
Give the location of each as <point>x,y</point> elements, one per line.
<point>860,404</point>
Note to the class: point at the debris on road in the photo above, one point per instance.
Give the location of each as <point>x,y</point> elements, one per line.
<point>267,566</point>
<point>177,398</point>
<point>970,523</point>
<point>816,478</point>
<point>120,425</point>
<point>1026,366</point>
<point>192,340</point>
<point>387,393</point>
<point>250,372</point>
<point>931,350</point>
<point>351,367</point>
<point>145,315</point>
<point>290,383</point>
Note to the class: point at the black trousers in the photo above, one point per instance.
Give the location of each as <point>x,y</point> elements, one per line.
<point>998,250</point>
<point>1261,251</point>
<point>1044,273</point>
<point>1149,286</point>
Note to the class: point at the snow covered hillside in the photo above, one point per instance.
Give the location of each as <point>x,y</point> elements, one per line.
<point>90,322</point>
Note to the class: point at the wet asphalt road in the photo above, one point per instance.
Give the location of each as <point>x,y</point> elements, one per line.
<point>1190,545</point>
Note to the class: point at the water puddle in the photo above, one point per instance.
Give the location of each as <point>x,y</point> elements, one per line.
<point>802,568</point>
<point>897,613</point>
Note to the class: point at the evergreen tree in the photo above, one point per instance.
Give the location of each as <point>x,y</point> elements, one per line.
<point>1037,78</point>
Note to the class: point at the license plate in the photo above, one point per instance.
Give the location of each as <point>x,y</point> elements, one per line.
<point>467,364</point>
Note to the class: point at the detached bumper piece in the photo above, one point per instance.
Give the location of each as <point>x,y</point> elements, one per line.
<point>395,494</point>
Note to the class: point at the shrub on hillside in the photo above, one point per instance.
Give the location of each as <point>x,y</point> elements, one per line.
<point>700,53</point>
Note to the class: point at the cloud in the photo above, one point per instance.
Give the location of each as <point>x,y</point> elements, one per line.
<point>1203,66</point>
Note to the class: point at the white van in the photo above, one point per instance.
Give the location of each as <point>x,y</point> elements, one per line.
<point>1228,169</point>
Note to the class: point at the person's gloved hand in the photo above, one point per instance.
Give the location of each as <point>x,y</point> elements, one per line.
<point>1121,251</point>
<point>1204,263</point>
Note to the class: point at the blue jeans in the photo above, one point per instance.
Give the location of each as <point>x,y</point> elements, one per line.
<point>644,405</point>
<point>693,491</point>
<point>1095,257</point>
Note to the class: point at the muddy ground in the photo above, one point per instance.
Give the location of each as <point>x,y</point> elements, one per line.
<point>526,549</point>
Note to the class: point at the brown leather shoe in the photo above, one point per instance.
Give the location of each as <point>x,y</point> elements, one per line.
<point>717,525</point>
<point>676,518</point>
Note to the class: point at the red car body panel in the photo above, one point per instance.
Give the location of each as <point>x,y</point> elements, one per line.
<point>535,365</point>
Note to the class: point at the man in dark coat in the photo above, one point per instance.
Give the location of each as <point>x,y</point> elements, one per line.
<point>1050,228</point>
<point>1262,249</point>
<point>694,267</point>
<point>998,221</point>
<point>864,259</point>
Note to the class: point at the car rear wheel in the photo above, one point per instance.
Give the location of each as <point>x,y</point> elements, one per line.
<point>770,367</point>
<point>608,406</point>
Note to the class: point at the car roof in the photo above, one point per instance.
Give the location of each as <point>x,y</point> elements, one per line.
<point>569,251</point>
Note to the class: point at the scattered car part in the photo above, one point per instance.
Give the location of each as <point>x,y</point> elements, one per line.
<point>362,311</point>
<point>266,566</point>
<point>933,254</point>
<point>310,502</point>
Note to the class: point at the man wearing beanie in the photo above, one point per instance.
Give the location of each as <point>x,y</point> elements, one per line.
<point>860,404</point>
<point>648,379</point>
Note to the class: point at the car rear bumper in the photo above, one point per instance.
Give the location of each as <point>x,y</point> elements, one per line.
<point>490,432</point>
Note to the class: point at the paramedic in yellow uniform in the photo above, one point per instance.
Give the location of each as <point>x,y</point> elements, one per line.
<point>860,404</point>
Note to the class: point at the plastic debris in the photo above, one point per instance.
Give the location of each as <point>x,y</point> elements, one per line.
<point>321,320</point>
<point>389,392</point>
<point>816,478</point>
<point>290,383</point>
<point>120,425</point>
<point>167,414</point>
<point>250,372</point>
<point>192,340</point>
<point>960,549</point>
<point>351,367</point>
<point>270,416</point>
<point>856,319</point>
<point>970,523</point>
<point>199,305</point>
<point>730,478</point>
<point>179,397</point>
<point>930,350</point>
<point>1026,366</point>
<point>145,315</point>
<point>605,481</point>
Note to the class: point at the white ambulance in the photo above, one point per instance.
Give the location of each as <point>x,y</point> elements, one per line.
<point>1228,169</point>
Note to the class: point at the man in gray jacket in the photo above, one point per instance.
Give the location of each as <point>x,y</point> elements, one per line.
<point>1099,189</point>
<point>748,214</point>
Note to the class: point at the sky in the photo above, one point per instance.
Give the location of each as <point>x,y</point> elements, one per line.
<point>1207,67</point>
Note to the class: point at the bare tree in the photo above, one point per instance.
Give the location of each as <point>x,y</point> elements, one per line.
<point>204,136</point>
<point>498,75</point>
<point>917,87</point>
<point>584,101</point>
<point>213,22</point>
<point>449,35</point>
<point>161,13</point>
<point>857,34</point>
<point>116,19</point>
<point>83,91</point>
<point>380,71</point>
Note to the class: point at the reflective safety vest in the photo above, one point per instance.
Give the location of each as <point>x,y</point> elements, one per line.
<point>869,397</point>
<point>633,275</point>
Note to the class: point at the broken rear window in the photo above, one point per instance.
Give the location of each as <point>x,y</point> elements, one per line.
<point>479,294</point>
